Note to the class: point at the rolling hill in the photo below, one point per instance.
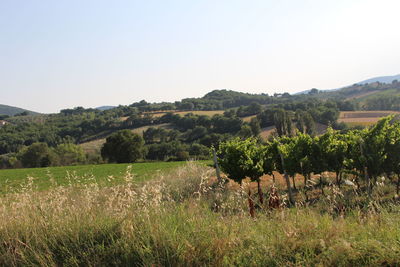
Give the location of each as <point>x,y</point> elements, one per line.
<point>11,111</point>
<point>382,79</point>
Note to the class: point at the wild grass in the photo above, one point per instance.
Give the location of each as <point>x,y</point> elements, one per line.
<point>185,218</point>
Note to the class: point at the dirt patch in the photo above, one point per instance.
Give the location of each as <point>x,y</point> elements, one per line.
<point>248,118</point>
<point>267,132</point>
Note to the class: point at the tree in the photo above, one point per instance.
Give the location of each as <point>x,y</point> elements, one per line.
<point>245,131</point>
<point>37,155</point>
<point>392,161</point>
<point>242,158</point>
<point>123,147</point>
<point>283,122</point>
<point>301,157</point>
<point>333,149</point>
<point>255,126</point>
<point>281,149</point>
<point>70,154</point>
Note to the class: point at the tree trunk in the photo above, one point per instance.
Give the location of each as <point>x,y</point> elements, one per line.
<point>337,179</point>
<point>356,180</point>
<point>321,185</point>
<point>273,177</point>
<point>291,200</point>
<point>367,178</point>
<point>251,205</point>
<point>306,187</point>
<point>260,193</point>
<point>294,183</point>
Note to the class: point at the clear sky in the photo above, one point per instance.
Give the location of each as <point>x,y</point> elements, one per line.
<point>68,53</point>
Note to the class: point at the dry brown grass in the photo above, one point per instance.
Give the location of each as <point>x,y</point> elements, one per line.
<point>267,132</point>
<point>248,118</point>
<point>183,219</point>
<point>363,118</point>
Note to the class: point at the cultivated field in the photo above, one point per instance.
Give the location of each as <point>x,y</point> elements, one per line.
<point>104,174</point>
<point>364,118</point>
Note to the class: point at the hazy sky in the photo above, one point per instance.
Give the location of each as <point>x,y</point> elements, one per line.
<point>62,54</point>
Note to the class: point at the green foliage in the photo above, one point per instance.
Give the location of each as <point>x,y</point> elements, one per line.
<point>241,158</point>
<point>333,149</point>
<point>70,154</point>
<point>368,154</point>
<point>37,155</point>
<point>123,147</point>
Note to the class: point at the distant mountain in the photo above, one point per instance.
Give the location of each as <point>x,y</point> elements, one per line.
<point>382,79</point>
<point>105,107</point>
<point>11,111</point>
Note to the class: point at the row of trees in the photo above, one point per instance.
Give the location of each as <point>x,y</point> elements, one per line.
<point>41,155</point>
<point>366,154</point>
<point>125,147</point>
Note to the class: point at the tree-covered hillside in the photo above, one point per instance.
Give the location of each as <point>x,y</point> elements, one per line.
<point>184,129</point>
<point>12,111</point>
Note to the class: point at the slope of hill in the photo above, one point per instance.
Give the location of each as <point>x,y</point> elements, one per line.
<point>381,79</point>
<point>11,111</point>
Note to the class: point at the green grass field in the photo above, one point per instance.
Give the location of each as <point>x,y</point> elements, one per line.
<point>104,174</point>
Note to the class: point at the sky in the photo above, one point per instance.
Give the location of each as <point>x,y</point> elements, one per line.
<point>69,53</point>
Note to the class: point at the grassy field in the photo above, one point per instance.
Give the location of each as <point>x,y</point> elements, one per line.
<point>104,174</point>
<point>184,218</point>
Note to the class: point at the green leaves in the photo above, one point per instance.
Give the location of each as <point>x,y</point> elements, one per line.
<point>242,158</point>
<point>375,150</point>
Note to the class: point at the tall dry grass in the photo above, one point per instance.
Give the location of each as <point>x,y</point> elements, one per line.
<point>186,219</point>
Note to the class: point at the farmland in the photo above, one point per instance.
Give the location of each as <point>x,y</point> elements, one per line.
<point>363,118</point>
<point>279,203</point>
<point>103,174</point>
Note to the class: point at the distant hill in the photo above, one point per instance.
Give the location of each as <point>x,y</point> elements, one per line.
<point>11,111</point>
<point>382,79</point>
<point>105,107</point>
